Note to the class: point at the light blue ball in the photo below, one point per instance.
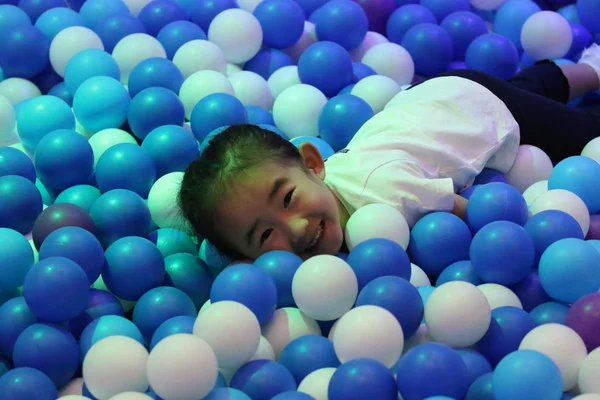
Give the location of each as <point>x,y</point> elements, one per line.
<point>101,102</point>
<point>87,64</point>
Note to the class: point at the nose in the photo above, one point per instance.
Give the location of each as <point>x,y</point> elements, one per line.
<point>297,228</point>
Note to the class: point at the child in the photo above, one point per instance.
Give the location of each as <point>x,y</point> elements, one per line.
<point>251,191</point>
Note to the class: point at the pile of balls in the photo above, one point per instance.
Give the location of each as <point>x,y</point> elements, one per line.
<point>105,293</point>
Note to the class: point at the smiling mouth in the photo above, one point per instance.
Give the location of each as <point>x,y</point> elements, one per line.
<point>313,243</point>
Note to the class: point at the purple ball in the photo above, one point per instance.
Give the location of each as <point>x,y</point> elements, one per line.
<point>584,318</point>
<point>58,216</point>
<point>594,231</point>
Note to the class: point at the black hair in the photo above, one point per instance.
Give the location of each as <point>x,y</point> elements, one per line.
<point>211,177</point>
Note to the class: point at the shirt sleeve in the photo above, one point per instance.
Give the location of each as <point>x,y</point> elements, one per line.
<point>406,187</point>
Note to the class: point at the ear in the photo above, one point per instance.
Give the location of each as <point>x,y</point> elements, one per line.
<point>312,159</point>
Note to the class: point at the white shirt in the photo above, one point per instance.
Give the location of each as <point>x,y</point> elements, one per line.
<point>427,144</point>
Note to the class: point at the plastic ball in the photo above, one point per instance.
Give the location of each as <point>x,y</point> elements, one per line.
<point>267,61</point>
<point>8,120</point>
<point>231,329</point>
<point>307,354</point>
<point>582,38</point>
<point>546,35</point>
<point>340,119</point>
<point>405,17</point>
<point>587,373</point>
<point>87,64</point>
<point>286,325</point>
<point>282,79</point>
<point>69,42</point>
<point>578,175</point>
<point>115,365</point>
<point>324,287</point>
<point>106,138</point>
<point>495,202</point>
<point>376,90</point>
<point>203,12</point>
<point>189,274</point>
<point>376,221</point>
<point>177,33</point>
<point>107,326</point>
<point>162,203</point>
<point>362,70</point>
<point>346,382</point>
<point>12,16</point>
<point>101,303</point>
<point>324,148</point>
<point>133,49</point>
<point>476,364</point>
<point>238,33</point>
<point>227,393</point>
<point>112,28</point>
<point>282,22</point>
<point>263,379</point>
<point>27,383</point>
<point>50,349</point>
<point>550,312</point>
<point>445,307</point>
<point>326,66</point>
<point>562,200</point>
<point>82,196</point>
<point>172,326</point>
<point>550,226</point>
<point>527,374</point>
<point>126,166</point>
<point>431,369</point>
<point>463,27</point>
<point>511,17</point>
<point>430,47</point>
<point>459,271</point>
<point>296,110</point>
<point>442,8</point>
<point>317,382</point>
<point>493,54</point>
<point>159,13</point>
<point>531,165</point>
<point>152,108</point>
<point>201,84</point>
<point>95,10</point>
<point>215,111</point>
<point>18,89</point>
<point>20,203</point>
<point>587,11</point>
<point>281,266</point>
<point>259,116</point>
<point>252,89</point>
<point>530,292</point>
<point>16,259</point>
<point>391,60</point>
<point>341,21</point>
<point>15,316</point>
<point>584,318</point>
<point>57,216</point>
<point>171,147</point>
<point>54,20</point>
<point>24,51</point>
<point>188,61</point>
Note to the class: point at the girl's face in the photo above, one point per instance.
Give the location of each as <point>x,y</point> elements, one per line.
<point>275,207</point>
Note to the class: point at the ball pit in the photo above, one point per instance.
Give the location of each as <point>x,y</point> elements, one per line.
<point>106,293</point>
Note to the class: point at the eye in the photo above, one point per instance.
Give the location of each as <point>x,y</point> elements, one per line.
<point>265,235</point>
<point>288,198</point>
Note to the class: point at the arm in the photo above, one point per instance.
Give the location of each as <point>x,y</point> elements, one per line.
<point>460,206</point>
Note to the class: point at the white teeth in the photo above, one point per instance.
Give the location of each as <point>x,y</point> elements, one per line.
<point>316,238</point>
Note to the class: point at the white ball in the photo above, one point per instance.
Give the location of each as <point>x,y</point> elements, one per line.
<point>265,351</point>
<point>316,384</point>
<point>487,5</point>
<point>238,33</point>
<point>418,277</point>
<point>499,296</point>
<point>163,205</point>
<point>546,35</point>
<point>391,60</point>
<point>72,390</point>
<point>589,396</point>
<point>199,55</point>
<point>376,90</point>
<point>324,287</point>
<point>135,6</point>
<point>589,371</point>
<point>534,191</point>
<point>296,110</point>
<point>133,49</point>
<point>248,5</point>
<point>231,329</point>
<point>252,89</point>
<point>563,200</point>
<point>17,90</point>
<point>283,78</point>
<point>532,165</point>
<point>105,139</point>
<point>233,69</point>
<point>309,36</point>
<point>563,345</point>
<point>369,332</point>
<point>114,365</point>
<point>69,42</point>
<point>8,120</point>
<point>182,367</point>
<point>457,314</point>
<point>287,324</point>
<point>371,39</point>
<point>131,396</point>
<point>377,221</point>
<point>199,85</point>
<point>591,150</point>
<point>73,397</point>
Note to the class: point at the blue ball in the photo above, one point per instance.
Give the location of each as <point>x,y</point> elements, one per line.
<point>348,89</point>
<point>56,289</point>
<point>82,196</point>
<point>476,364</point>
<point>20,203</point>
<point>430,47</point>
<point>293,395</point>
<point>508,327</point>
<point>431,248</point>
<point>134,265</point>
<point>171,147</point>
<point>172,241</point>
<point>511,17</point>
<point>309,6</point>
<point>106,326</point>
<point>495,202</point>
<point>588,11</point>
<point>530,292</point>
<point>173,326</point>
<point>15,317</point>
<point>468,192</point>
<point>579,175</point>
<point>343,22</point>
<point>488,175</point>
<point>502,252</point>
<point>362,378</point>
<point>214,111</point>
<point>16,259</point>
<point>93,11</point>
<point>481,389</point>
<point>27,384</point>
<point>459,271</point>
<point>361,71</point>
<point>190,274</point>
<point>282,22</point>
<point>551,226</point>
<point>226,393</point>
<point>582,38</point>
<point>64,158</point>
<point>425,292</point>
<point>324,148</point>
<point>327,66</point>
<point>307,354</point>
<point>463,27</point>
<point>101,303</point>
<point>101,102</point>
<point>249,286</point>
<point>527,375</point>
<point>159,13</point>
<point>267,61</point>
<point>404,18</point>
<point>258,115</point>
<point>493,54</point>
<point>114,27</point>
<point>568,270</point>
<point>41,115</point>
<point>126,166</point>
<point>399,297</point>
<point>12,16</point>
<point>203,12</point>
<point>177,33</point>
<point>87,64</point>
<point>50,349</point>
<point>442,8</point>
<point>154,107</point>
<point>432,369</point>
<point>281,266</point>
<point>5,365</point>
<point>78,245</point>
<point>550,313</point>
<point>54,20</point>
<point>569,12</point>
<point>340,119</point>
<point>263,379</point>
<point>375,258</point>
<point>15,162</point>
<point>24,52</point>
<point>60,90</point>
